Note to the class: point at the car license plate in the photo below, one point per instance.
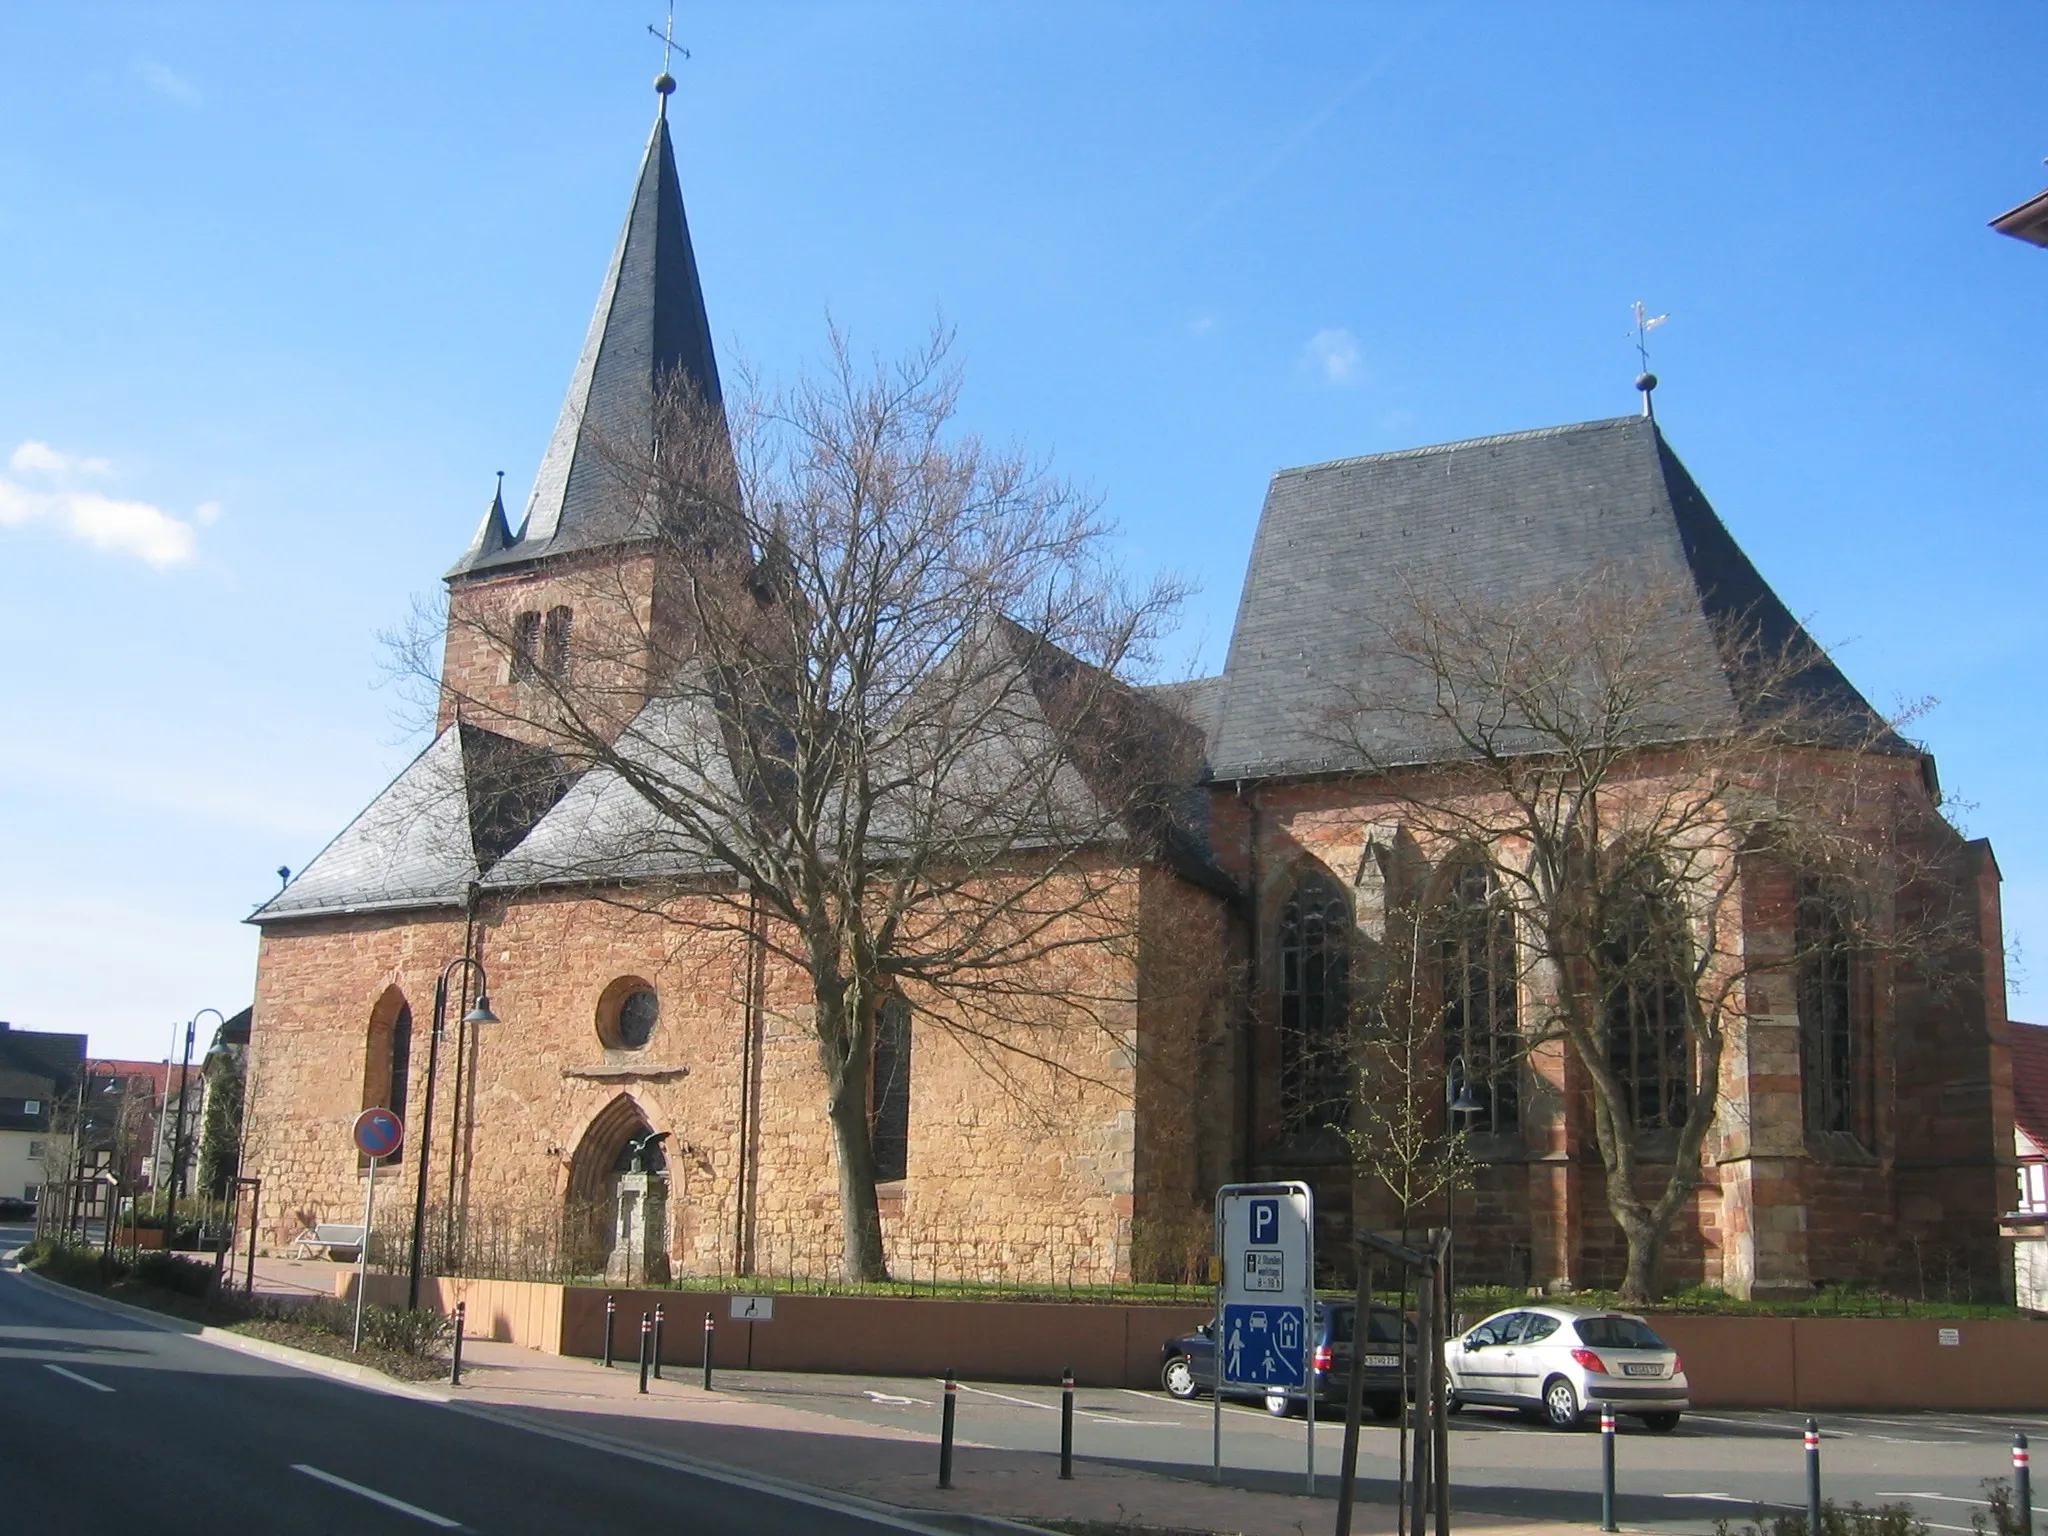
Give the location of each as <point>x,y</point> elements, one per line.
<point>1641,1370</point>
<point>1384,1362</point>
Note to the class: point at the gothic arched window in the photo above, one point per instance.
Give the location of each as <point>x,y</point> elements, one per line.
<point>1315,1005</point>
<point>1477,973</point>
<point>889,1113</point>
<point>1644,963</point>
<point>1831,1049</point>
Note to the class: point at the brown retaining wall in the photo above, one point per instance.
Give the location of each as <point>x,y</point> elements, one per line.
<point>1733,1362</point>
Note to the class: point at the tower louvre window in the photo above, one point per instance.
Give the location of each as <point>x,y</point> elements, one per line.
<point>554,653</point>
<point>525,646</point>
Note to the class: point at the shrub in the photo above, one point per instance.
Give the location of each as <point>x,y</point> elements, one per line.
<point>1856,1520</point>
<point>413,1331</point>
<point>169,1272</point>
<point>2004,1517</point>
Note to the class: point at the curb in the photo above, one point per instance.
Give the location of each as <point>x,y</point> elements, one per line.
<point>920,1522</point>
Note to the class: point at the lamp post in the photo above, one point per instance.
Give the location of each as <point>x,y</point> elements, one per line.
<point>424,1142</point>
<point>178,1131</point>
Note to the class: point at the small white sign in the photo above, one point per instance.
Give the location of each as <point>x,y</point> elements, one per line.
<point>753,1309</point>
<point>1264,1270</point>
<point>1948,1336</point>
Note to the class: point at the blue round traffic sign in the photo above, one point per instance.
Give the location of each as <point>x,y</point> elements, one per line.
<point>378,1132</point>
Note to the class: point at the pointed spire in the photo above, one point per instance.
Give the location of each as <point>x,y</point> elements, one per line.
<point>649,323</point>
<point>494,533</point>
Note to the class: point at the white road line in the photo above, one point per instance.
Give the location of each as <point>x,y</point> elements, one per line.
<point>83,1381</point>
<point>1093,1418</point>
<point>891,1400</point>
<point>1022,1402</point>
<point>1946,1498</point>
<point>380,1498</point>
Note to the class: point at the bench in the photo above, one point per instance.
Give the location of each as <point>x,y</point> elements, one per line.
<point>333,1237</point>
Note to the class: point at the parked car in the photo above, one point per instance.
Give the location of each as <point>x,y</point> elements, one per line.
<point>16,1208</point>
<point>1187,1365</point>
<point>1562,1363</point>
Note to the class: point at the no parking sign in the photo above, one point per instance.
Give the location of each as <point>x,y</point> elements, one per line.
<point>379,1133</point>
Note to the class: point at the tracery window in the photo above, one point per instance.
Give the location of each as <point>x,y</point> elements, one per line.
<point>889,1111</point>
<point>387,1071</point>
<point>1831,1049</point>
<point>1315,1006</point>
<point>1644,961</point>
<point>1477,973</point>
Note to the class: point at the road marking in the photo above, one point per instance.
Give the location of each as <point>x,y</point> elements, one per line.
<point>1946,1498</point>
<point>83,1381</point>
<point>1021,1402</point>
<point>1093,1418</point>
<point>891,1400</point>
<point>380,1498</point>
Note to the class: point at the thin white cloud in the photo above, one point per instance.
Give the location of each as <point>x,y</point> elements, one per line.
<point>1202,325</point>
<point>46,490</point>
<point>1335,355</point>
<point>168,83</point>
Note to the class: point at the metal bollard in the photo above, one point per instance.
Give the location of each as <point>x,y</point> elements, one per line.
<point>1607,1470</point>
<point>611,1314</point>
<point>455,1355</point>
<point>1067,1425</point>
<point>946,1432</point>
<point>2022,1485</point>
<point>646,1348</point>
<point>710,1336</point>
<point>1813,1477</point>
<point>657,1341</point>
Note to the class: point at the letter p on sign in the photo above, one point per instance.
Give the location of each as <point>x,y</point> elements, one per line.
<point>1265,1224</point>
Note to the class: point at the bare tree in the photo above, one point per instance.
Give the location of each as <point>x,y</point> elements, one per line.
<point>1639,783</point>
<point>877,717</point>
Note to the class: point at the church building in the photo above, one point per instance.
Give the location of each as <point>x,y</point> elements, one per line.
<point>633,1106</point>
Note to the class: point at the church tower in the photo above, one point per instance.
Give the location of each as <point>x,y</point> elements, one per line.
<point>578,592</point>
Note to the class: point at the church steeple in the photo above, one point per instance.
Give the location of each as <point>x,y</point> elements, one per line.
<point>649,324</point>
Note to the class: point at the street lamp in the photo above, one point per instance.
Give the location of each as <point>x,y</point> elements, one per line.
<point>178,1132</point>
<point>480,1014</point>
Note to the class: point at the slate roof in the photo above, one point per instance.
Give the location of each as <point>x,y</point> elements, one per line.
<point>649,323</point>
<point>439,826</point>
<point>1496,520</point>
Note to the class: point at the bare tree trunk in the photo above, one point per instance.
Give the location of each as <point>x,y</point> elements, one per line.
<point>859,1209</point>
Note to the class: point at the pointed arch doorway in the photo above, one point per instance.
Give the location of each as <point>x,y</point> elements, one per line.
<point>616,1211</point>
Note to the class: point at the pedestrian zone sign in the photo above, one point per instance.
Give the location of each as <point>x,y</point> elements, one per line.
<point>1264,1234</point>
<point>1262,1345</point>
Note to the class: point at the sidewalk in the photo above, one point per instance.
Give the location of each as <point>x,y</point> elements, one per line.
<point>892,1465</point>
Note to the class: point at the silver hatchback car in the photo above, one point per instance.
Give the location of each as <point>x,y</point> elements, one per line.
<point>1563,1363</point>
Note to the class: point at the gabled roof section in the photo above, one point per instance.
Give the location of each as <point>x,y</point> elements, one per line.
<point>649,325</point>
<point>1495,521</point>
<point>2030,1082</point>
<point>449,817</point>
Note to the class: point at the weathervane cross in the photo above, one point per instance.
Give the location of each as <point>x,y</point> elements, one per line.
<point>1645,323</point>
<point>668,38</point>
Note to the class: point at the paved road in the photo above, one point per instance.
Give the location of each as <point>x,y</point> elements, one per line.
<point>1718,1465</point>
<point>108,1424</point>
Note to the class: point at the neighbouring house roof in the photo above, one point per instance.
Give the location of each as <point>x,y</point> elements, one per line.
<point>2028,222</point>
<point>2030,1084</point>
<point>1494,521</point>
<point>436,829</point>
<point>649,324</point>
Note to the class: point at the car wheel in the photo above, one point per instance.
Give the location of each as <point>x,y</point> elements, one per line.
<point>1561,1404</point>
<point>1454,1404</point>
<point>1386,1409</point>
<point>1179,1378</point>
<point>1280,1405</point>
<point>1662,1423</point>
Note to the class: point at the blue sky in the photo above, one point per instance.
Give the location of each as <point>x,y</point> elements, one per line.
<point>281,287</point>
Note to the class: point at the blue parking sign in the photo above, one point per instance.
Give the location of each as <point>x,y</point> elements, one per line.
<point>1263,1346</point>
<point>1263,1217</point>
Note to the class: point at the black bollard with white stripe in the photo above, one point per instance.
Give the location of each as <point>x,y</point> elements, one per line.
<point>1813,1477</point>
<point>710,1339</point>
<point>1607,1470</point>
<point>946,1432</point>
<point>455,1357</point>
<point>646,1348</point>
<point>2022,1485</point>
<point>657,1341</point>
<point>1067,1425</point>
<point>611,1317</point>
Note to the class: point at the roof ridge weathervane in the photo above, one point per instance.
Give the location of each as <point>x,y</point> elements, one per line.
<point>665,83</point>
<point>1645,323</point>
